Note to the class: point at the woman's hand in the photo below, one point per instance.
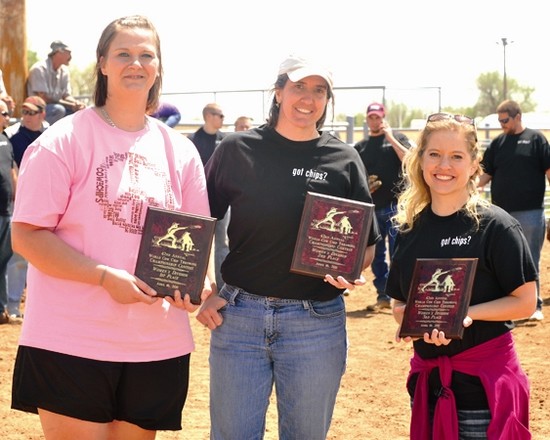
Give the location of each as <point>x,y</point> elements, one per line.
<point>341,283</point>
<point>398,310</point>
<point>438,338</point>
<point>208,314</point>
<point>125,288</point>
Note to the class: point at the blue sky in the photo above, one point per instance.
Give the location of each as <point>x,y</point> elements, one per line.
<point>403,45</point>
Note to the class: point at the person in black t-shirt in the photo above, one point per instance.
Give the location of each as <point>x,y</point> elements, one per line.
<point>206,139</point>
<point>472,385</point>
<point>272,327</point>
<point>382,152</point>
<point>517,163</point>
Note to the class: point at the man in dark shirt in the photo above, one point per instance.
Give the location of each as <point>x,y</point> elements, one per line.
<point>382,151</point>
<point>33,115</point>
<point>517,163</point>
<point>7,185</point>
<point>32,125</point>
<point>206,139</point>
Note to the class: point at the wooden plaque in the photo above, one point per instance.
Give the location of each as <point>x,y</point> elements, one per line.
<point>439,297</point>
<point>174,252</point>
<point>333,237</point>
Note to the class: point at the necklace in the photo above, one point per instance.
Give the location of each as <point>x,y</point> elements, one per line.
<point>107,117</point>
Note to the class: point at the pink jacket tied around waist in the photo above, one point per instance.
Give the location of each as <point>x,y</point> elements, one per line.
<point>506,385</point>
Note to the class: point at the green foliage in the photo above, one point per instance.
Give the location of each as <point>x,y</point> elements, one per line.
<point>491,85</point>
<point>32,57</point>
<point>83,81</point>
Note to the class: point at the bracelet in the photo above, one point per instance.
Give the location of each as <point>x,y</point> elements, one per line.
<point>102,277</point>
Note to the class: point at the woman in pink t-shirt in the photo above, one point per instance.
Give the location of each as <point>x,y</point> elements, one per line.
<point>100,356</point>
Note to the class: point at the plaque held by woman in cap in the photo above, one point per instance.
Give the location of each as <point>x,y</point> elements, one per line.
<point>332,238</point>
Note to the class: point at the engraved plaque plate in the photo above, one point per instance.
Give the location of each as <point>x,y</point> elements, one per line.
<point>439,297</point>
<point>174,252</point>
<point>333,237</point>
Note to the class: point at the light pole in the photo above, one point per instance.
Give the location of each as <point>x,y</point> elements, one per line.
<point>505,43</point>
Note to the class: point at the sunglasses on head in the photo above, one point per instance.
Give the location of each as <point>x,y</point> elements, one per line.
<point>29,112</point>
<point>462,119</point>
<point>459,118</point>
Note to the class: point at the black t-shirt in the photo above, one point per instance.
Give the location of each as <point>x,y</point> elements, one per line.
<point>381,160</point>
<point>21,140</point>
<point>264,177</point>
<point>206,143</point>
<point>518,164</point>
<point>6,181</point>
<point>504,264</point>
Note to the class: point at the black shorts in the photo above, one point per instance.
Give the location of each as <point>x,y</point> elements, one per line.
<point>150,395</point>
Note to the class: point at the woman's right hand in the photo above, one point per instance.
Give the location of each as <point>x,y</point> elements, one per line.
<point>208,314</point>
<point>125,288</point>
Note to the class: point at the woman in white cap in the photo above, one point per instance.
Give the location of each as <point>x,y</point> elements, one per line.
<point>270,326</point>
<point>100,355</point>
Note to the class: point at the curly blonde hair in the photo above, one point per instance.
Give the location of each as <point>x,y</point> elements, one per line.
<point>415,195</point>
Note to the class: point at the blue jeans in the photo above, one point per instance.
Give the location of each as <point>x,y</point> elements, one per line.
<point>5,255</point>
<point>17,278</point>
<point>379,266</point>
<point>533,225</point>
<point>298,346</point>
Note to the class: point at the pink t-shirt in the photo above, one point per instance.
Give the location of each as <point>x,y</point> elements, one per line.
<point>91,183</point>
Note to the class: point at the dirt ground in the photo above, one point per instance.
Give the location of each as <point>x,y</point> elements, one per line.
<point>372,403</point>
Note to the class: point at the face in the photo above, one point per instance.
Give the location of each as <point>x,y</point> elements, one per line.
<point>4,115</point>
<point>32,119</point>
<point>243,124</point>
<point>508,124</point>
<point>65,57</point>
<point>447,167</point>
<point>131,64</point>
<point>374,123</point>
<point>302,103</point>
<point>215,118</point>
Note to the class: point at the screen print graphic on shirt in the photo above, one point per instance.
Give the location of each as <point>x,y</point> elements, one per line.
<point>124,194</point>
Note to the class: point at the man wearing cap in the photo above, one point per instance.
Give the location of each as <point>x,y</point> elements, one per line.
<point>31,126</point>
<point>382,152</point>
<point>7,187</point>
<point>50,80</point>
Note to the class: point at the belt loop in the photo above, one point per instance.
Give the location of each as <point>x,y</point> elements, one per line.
<point>229,293</point>
<point>306,304</point>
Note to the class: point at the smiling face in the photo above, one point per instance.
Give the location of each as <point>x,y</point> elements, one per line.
<point>447,167</point>
<point>131,63</point>
<point>302,104</point>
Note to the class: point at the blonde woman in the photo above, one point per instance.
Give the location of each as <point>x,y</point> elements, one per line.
<point>474,387</point>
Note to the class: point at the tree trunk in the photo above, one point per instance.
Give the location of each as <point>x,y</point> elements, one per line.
<point>13,49</point>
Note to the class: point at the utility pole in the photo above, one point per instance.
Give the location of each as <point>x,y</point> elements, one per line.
<point>505,43</point>
<point>13,48</point>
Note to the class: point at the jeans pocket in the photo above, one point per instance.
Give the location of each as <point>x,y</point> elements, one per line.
<point>328,309</point>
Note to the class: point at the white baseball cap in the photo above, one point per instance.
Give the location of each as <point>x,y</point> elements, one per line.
<point>297,68</point>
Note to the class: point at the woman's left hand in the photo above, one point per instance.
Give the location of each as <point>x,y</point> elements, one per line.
<point>438,338</point>
<point>182,302</point>
<point>341,283</point>
<point>185,301</point>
